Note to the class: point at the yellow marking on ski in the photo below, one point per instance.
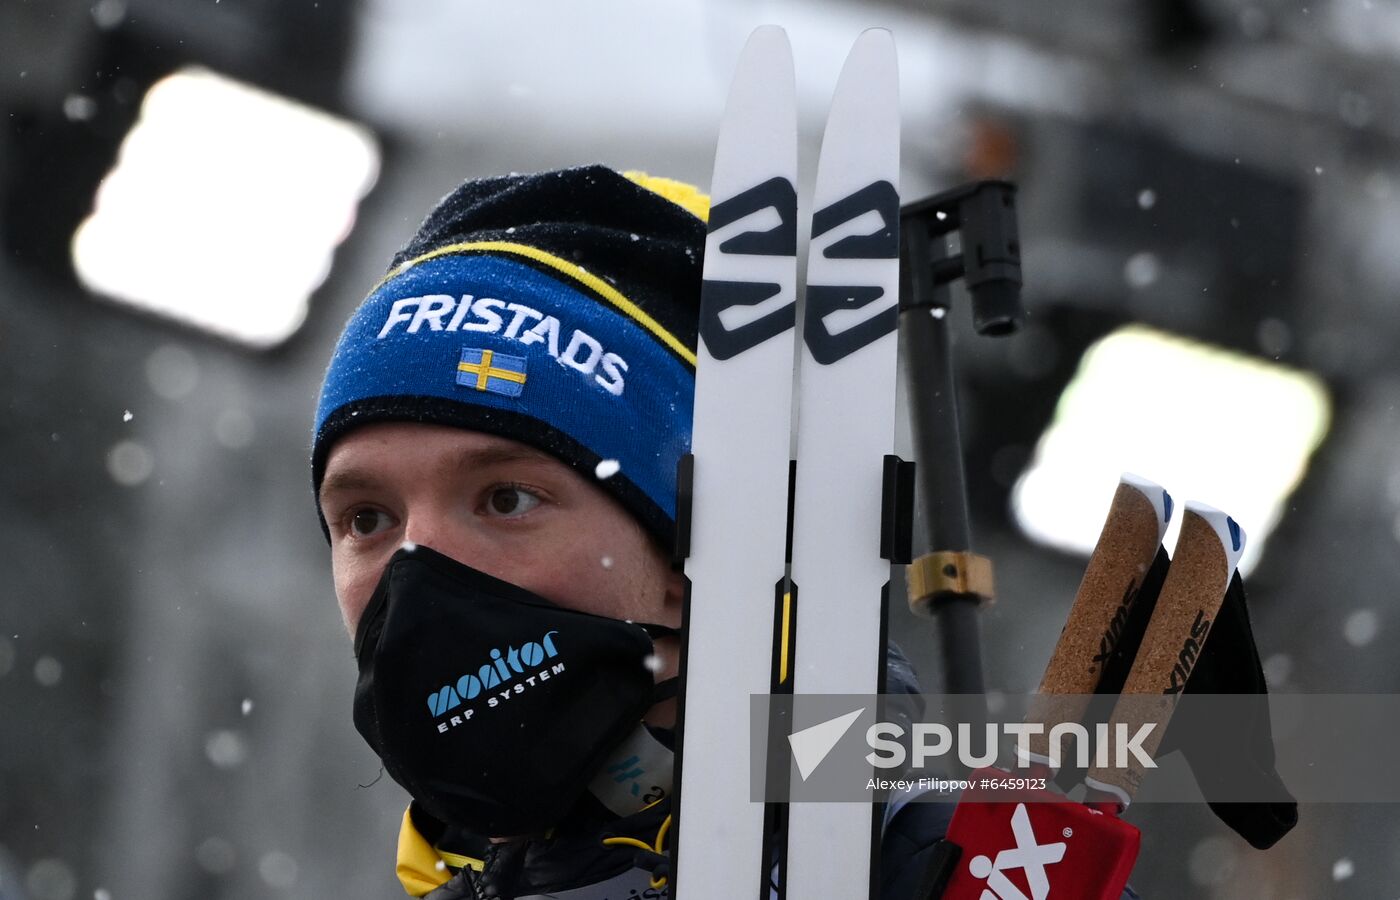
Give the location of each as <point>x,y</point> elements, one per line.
<point>787,631</point>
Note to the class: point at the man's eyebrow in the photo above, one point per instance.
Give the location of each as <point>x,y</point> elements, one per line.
<point>478,457</point>
<point>347,480</point>
<point>354,479</point>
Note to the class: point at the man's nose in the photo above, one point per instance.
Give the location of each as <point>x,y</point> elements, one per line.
<point>434,531</point>
<point>442,531</point>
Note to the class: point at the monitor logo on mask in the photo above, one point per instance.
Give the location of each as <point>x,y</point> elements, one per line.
<point>529,660</point>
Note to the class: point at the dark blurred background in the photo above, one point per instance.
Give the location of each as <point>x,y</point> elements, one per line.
<point>1217,177</point>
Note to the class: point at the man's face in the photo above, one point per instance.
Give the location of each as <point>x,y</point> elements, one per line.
<point>496,505</point>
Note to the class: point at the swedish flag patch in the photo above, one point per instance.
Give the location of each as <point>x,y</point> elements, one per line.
<point>487,370</point>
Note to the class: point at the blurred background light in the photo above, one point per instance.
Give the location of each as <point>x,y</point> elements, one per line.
<point>1210,425</point>
<point>225,207</point>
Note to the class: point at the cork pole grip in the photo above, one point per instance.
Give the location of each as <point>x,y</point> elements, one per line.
<point>1127,545</point>
<point>1207,553</point>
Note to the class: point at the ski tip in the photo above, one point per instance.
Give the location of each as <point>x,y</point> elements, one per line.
<point>873,42</point>
<point>1156,495</point>
<point>866,102</point>
<point>876,32</point>
<point>769,32</point>
<point>767,43</point>
<point>758,130</point>
<point>1231,535</point>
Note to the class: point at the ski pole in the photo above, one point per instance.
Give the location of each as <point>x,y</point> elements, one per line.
<point>950,582</point>
<point>1084,850</point>
<point>1130,539</point>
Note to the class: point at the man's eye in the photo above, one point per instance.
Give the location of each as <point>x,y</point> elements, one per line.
<point>365,522</point>
<point>511,500</point>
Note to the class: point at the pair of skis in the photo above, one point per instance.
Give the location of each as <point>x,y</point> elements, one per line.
<point>745,634</point>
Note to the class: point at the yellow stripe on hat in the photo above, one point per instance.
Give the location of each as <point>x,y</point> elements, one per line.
<point>563,266</point>
<point>686,196</point>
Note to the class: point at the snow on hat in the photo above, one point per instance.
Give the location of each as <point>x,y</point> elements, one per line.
<point>557,309</point>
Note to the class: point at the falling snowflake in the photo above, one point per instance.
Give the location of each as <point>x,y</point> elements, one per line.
<point>1360,627</point>
<point>108,14</point>
<point>278,869</point>
<point>78,108</point>
<point>129,463</point>
<point>1142,270</point>
<point>607,469</point>
<point>172,371</point>
<point>226,749</point>
<point>48,671</point>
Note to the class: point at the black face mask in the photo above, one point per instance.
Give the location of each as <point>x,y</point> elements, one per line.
<point>491,706</point>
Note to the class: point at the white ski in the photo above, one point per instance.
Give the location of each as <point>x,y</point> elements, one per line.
<point>741,449</point>
<point>846,427</point>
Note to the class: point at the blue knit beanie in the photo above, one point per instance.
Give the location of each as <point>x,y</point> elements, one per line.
<point>557,309</point>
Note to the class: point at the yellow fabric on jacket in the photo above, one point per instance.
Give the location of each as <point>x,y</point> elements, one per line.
<point>421,867</point>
